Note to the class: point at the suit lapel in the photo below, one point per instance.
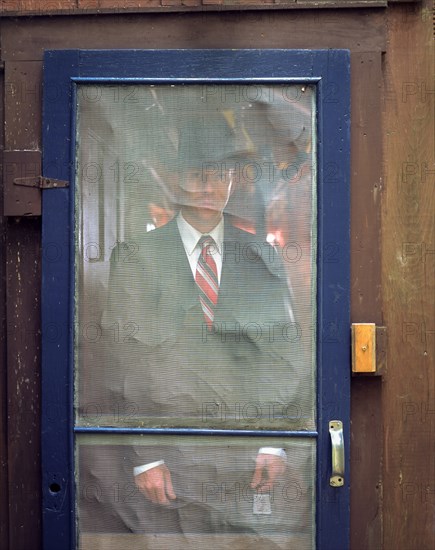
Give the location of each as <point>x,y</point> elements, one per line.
<point>229,276</point>
<point>185,284</point>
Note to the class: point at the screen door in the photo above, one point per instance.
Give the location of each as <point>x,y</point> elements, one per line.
<point>207,226</point>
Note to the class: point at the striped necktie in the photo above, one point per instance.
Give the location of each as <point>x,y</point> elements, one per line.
<point>206,278</point>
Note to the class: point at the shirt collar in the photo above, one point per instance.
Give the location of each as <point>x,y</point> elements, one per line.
<point>190,236</point>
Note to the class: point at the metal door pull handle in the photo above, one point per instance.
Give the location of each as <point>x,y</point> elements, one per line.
<point>337,443</point>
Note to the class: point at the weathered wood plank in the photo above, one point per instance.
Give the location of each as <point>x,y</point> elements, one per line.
<point>22,131</point>
<point>408,280</point>
<point>23,98</point>
<point>54,7</point>
<point>22,116</point>
<point>366,169</point>
<point>23,380</point>
<point>36,6</point>
<point>329,29</point>
<point>366,465</point>
<point>366,166</point>
<point>122,5</point>
<point>4,493</point>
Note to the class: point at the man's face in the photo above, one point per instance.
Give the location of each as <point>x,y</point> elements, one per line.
<point>203,194</point>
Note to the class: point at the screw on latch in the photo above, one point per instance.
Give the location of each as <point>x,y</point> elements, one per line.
<point>364,348</point>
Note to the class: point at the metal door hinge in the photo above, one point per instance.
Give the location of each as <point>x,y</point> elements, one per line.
<point>23,183</point>
<point>41,182</point>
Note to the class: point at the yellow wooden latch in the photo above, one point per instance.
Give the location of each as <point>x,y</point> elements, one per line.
<point>363,347</point>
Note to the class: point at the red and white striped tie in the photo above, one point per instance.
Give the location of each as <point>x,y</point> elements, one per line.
<point>206,278</point>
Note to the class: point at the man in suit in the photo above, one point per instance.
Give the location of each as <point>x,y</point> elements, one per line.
<point>211,347</point>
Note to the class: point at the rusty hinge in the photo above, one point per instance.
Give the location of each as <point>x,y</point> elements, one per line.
<point>41,182</point>
<point>22,183</point>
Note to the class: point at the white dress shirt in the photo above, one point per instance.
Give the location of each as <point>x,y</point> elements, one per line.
<point>191,236</point>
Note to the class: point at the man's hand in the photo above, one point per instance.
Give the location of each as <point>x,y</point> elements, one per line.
<point>268,468</point>
<point>156,485</point>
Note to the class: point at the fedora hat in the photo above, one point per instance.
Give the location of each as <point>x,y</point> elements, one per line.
<point>206,139</point>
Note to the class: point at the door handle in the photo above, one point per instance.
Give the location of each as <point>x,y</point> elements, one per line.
<point>337,444</point>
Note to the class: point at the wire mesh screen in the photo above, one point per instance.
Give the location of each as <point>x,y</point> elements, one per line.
<point>215,501</point>
<point>195,292</point>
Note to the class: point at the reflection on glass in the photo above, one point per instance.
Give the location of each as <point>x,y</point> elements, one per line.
<point>195,304</point>
<point>213,494</point>
<point>146,353</point>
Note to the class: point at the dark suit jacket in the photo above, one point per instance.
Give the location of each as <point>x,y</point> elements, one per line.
<point>170,366</point>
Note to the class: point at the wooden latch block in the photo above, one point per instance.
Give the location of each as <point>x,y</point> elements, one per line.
<point>363,347</point>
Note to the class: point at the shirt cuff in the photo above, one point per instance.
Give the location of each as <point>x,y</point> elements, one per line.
<point>273,451</point>
<point>141,469</point>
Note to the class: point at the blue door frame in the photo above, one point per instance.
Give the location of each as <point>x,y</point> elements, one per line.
<point>329,71</point>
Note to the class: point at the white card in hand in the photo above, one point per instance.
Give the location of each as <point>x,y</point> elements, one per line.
<point>262,504</point>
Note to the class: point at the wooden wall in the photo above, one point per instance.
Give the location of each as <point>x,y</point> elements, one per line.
<point>40,7</point>
<point>408,276</point>
<point>392,484</point>
<point>4,498</point>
